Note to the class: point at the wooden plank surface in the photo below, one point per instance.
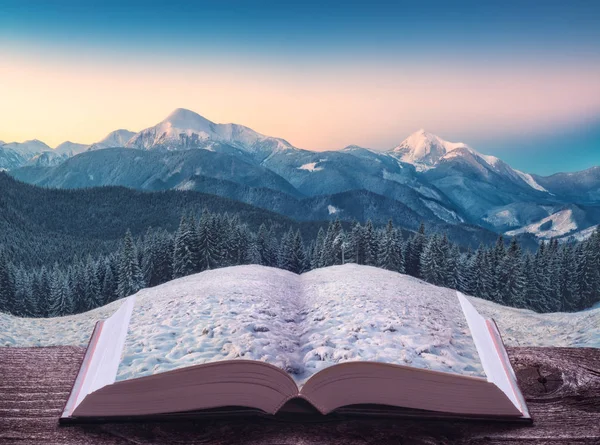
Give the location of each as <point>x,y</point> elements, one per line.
<point>561,385</point>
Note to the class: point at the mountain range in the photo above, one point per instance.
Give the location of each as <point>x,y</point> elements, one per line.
<point>424,178</point>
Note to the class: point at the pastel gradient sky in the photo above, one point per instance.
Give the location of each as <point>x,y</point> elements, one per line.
<point>517,79</point>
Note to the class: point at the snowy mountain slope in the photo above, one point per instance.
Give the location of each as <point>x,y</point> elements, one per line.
<point>206,172</point>
<point>529,179</point>
<point>28,148</point>
<point>331,172</point>
<point>69,148</point>
<point>151,170</point>
<point>10,158</point>
<point>117,138</point>
<point>36,153</point>
<point>581,187</point>
<point>352,194</point>
<point>425,150</point>
<point>516,215</point>
<point>562,223</point>
<point>16,154</point>
<point>386,308</point>
<point>184,129</point>
<point>557,225</point>
<point>47,159</point>
<point>482,186</point>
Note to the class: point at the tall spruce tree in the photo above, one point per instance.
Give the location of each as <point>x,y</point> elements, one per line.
<point>109,284</point>
<point>7,293</point>
<point>130,279</point>
<point>370,243</point>
<point>390,250</point>
<point>317,251</point>
<point>482,273</point>
<point>466,273</point>
<point>511,283</point>
<point>184,258</point>
<point>415,248</point>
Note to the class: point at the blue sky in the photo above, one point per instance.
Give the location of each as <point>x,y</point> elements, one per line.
<point>517,79</point>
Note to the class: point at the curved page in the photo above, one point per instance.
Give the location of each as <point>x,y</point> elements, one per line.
<point>299,323</point>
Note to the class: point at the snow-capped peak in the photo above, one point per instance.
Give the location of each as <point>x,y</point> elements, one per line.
<point>187,120</point>
<point>184,129</point>
<point>425,149</point>
<point>117,138</point>
<point>70,148</point>
<point>30,148</point>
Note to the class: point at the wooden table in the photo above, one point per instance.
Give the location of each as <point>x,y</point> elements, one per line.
<point>561,385</point>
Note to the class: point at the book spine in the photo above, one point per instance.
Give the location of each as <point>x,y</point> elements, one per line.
<point>83,369</point>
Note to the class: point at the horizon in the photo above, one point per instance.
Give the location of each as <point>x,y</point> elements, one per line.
<point>421,129</point>
<point>512,80</point>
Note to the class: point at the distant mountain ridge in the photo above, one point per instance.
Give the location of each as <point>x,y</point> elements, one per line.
<point>438,180</point>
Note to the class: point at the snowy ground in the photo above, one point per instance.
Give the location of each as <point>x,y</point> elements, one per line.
<point>521,327</point>
<point>304,323</point>
<point>298,323</point>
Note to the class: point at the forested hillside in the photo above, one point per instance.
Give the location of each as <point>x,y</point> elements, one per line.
<point>41,226</point>
<point>555,278</point>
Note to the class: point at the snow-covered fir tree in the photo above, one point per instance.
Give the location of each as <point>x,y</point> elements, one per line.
<point>130,278</point>
<point>185,255</point>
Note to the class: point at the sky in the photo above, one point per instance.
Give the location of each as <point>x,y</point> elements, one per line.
<point>516,79</point>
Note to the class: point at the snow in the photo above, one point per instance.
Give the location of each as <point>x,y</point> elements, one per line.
<point>30,148</point>
<point>530,181</point>
<point>425,150</point>
<point>583,234</point>
<point>428,192</point>
<point>491,160</point>
<point>188,184</point>
<point>304,323</point>
<point>185,122</point>
<point>521,327</point>
<point>70,148</point>
<point>117,138</point>
<point>442,212</point>
<point>311,167</point>
<point>563,224</point>
<point>392,176</point>
<point>422,147</point>
<point>332,210</point>
<point>504,217</point>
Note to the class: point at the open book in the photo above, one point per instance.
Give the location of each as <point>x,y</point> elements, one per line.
<point>253,339</point>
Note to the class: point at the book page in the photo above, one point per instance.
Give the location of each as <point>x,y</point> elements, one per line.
<point>300,324</point>
<point>494,359</point>
<point>245,312</point>
<point>354,313</point>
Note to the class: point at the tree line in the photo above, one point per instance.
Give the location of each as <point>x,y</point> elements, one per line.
<point>557,277</point>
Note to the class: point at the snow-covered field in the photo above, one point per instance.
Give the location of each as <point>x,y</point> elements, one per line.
<point>562,223</point>
<point>311,167</point>
<point>303,323</point>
